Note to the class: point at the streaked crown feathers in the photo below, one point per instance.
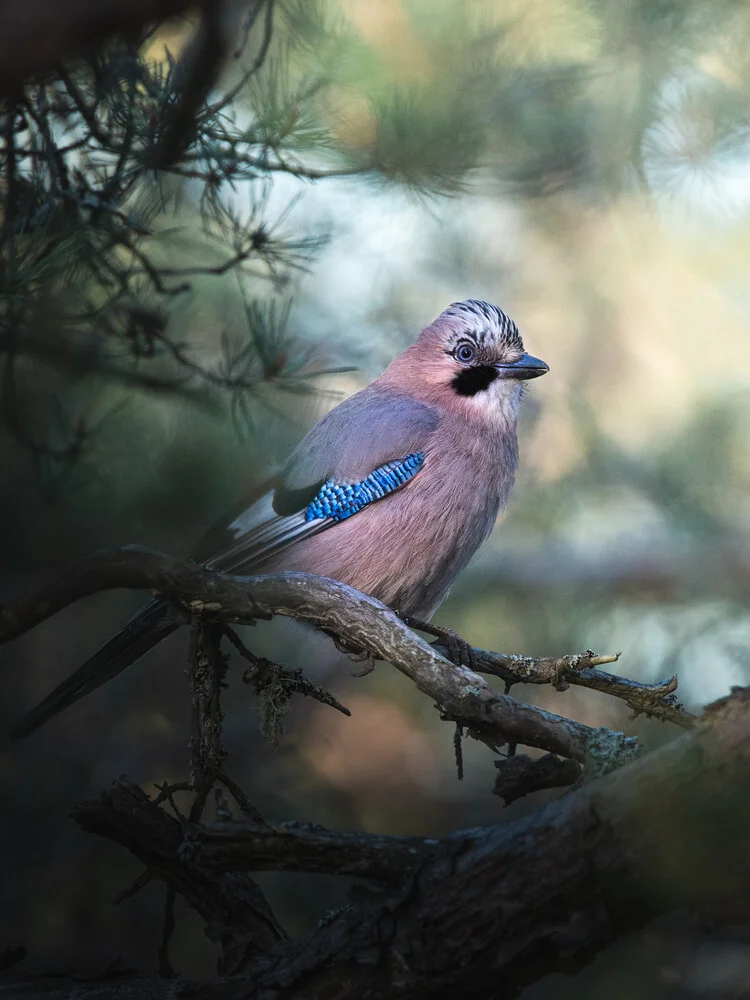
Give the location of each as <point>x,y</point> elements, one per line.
<point>486,323</point>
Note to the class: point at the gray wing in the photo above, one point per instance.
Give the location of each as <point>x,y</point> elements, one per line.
<point>366,431</point>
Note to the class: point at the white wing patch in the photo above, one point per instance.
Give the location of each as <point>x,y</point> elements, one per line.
<point>259,533</point>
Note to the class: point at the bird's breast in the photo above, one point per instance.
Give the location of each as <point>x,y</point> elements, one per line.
<point>407,548</point>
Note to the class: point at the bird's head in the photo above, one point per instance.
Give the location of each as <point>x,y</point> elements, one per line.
<point>471,358</point>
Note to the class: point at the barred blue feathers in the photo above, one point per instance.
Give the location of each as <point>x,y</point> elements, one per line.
<point>340,500</point>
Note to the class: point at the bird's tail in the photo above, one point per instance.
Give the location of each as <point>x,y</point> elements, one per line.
<point>154,622</point>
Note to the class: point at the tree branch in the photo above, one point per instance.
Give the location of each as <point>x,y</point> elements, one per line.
<point>235,910</point>
<point>511,903</point>
<point>124,813</point>
<point>305,847</point>
<point>580,669</point>
<point>520,775</point>
<point>197,72</point>
<point>263,672</point>
<point>360,621</point>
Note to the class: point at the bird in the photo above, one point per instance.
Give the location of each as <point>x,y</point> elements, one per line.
<point>391,492</point>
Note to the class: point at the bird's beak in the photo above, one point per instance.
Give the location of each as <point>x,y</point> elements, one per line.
<point>526,367</point>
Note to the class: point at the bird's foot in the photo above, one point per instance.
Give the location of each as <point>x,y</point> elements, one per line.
<point>369,661</point>
<point>356,656</point>
<point>459,651</point>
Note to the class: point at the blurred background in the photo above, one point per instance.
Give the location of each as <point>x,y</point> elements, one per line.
<point>584,166</point>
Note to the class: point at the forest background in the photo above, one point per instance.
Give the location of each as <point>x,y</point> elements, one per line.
<point>586,167</point>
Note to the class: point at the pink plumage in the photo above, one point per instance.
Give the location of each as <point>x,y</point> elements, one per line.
<point>452,398</point>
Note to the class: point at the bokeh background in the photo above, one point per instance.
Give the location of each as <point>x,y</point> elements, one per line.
<point>586,167</point>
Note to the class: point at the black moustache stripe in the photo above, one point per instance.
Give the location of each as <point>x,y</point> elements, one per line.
<point>472,380</point>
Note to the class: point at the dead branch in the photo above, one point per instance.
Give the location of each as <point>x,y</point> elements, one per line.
<point>495,909</point>
<point>125,813</point>
<point>236,912</point>
<point>520,775</point>
<point>205,670</point>
<point>241,846</point>
<point>262,672</point>
<point>360,621</point>
<point>657,700</point>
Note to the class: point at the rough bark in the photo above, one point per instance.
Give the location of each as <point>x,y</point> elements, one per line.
<point>582,669</point>
<point>236,913</point>
<point>495,909</point>
<point>125,813</point>
<point>520,775</point>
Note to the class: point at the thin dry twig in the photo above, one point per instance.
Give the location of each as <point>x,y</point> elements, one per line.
<point>205,671</point>
<point>239,797</point>
<point>580,669</point>
<point>166,794</point>
<point>138,883</point>
<point>293,681</point>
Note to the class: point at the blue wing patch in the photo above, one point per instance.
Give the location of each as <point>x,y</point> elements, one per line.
<point>340,500</point>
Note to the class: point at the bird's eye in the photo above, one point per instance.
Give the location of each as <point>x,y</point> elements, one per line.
<point>465,353</point>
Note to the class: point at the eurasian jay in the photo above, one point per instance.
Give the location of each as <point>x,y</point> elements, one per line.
<point>392,492</point>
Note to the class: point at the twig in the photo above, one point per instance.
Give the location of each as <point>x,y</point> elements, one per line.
<point>305,847</point>
<point>247,26</point>
<point>273,165</point>
<point>293,681</point>
<point>86,113</point>
<point>458,751</point>
<point>166,793</point>
<point>656,700</point>
<point>201,269</point>
<point>520,775</point>
<point>56,162</point>
<point>135,887</point>
<point>155,274</point>
<point>240,798</point>
<point>256,64</point>
<point>205,671</point>
<point>196,74</point>
<point>11,190</point>
<point>206,668</point>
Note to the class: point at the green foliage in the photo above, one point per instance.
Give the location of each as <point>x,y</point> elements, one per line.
<point>87,286</point>
<point>436,157</point>
<point>94,277</point>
